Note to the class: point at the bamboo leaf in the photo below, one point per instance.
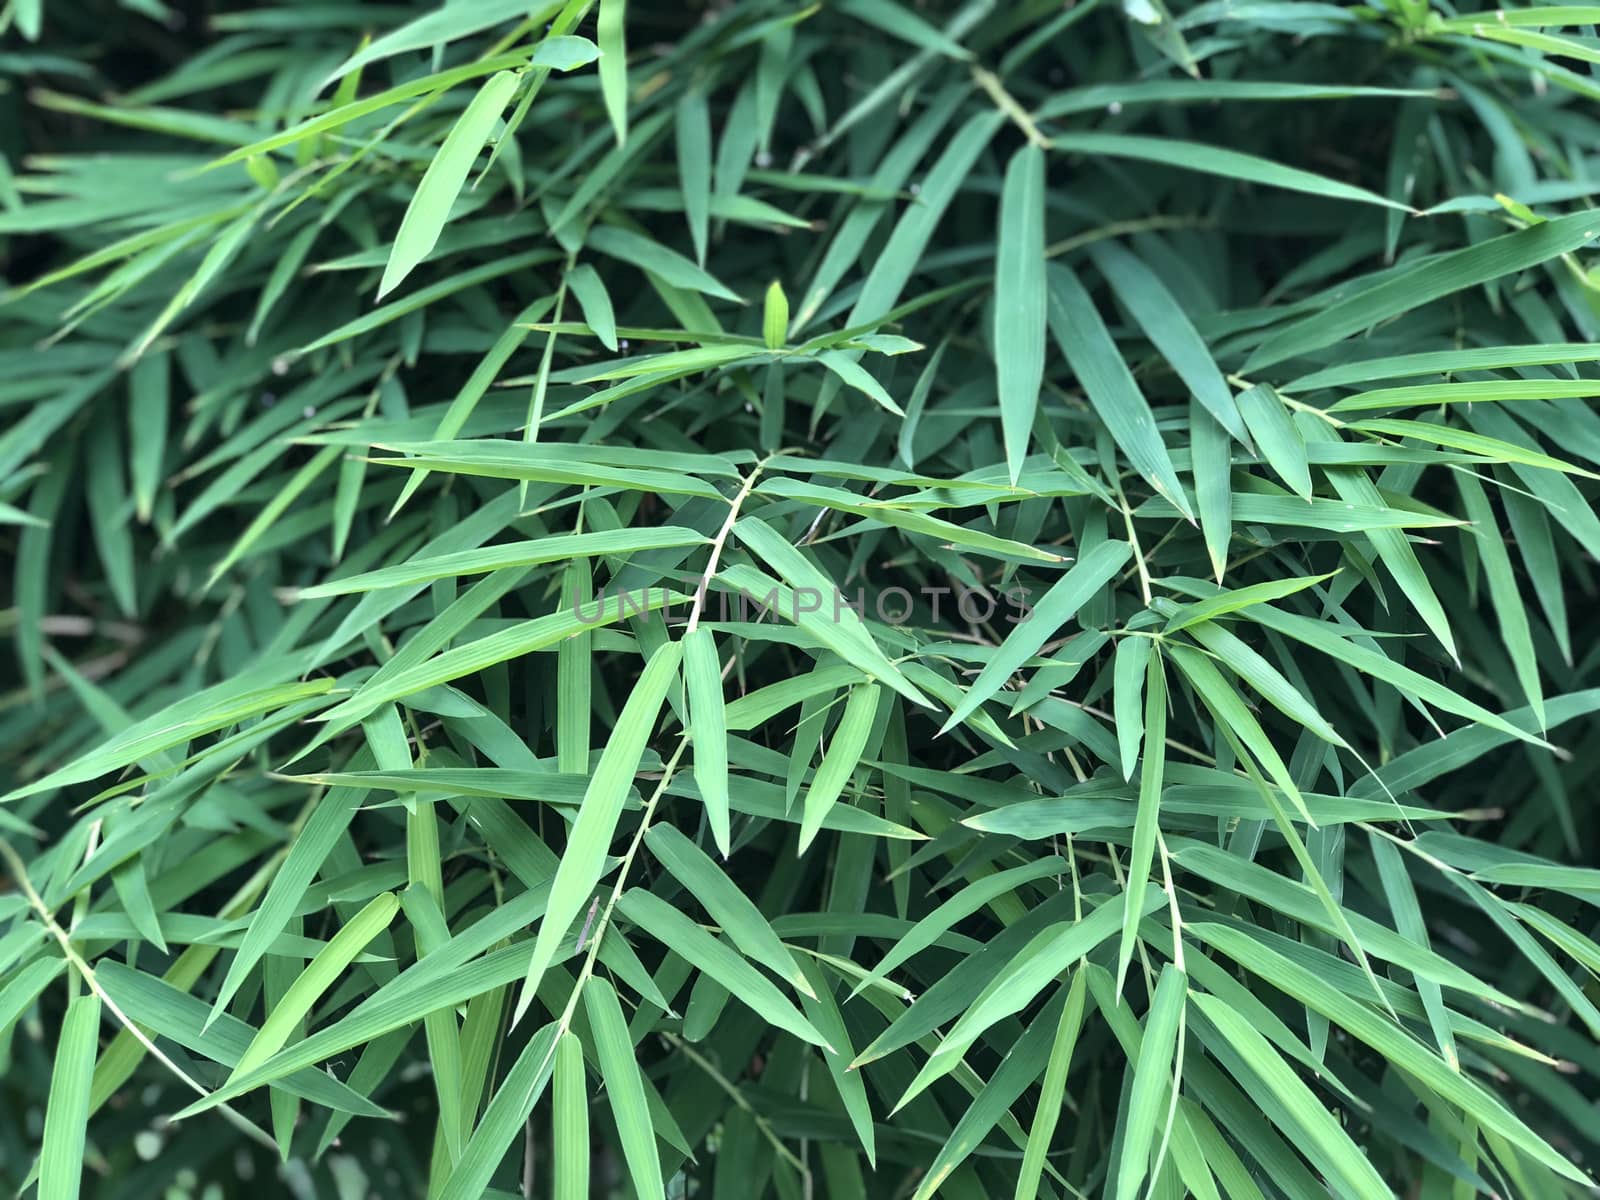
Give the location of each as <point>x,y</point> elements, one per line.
<point>729,907</point>
<point>708,725</point>
<point>505,1117</point>
<point>1215,160</point>
<point>670,927</point>
<point>613,1049</point>
<point>66,1114</point>
<point>1054,609</point>
<point>775,317</point>
<point>1279,441</point>
<point>1084,341</point>
<point>1146,825</point>
<point>1310,1117</point>
<point>1167,325</point>
<point>610,31</point>
<point>570,1133</point>
<point>840,761</point>
<point>317,978</point>
<point>1019,306</point>
<point>435,196</point>
<point>583,863</point>
<point>1440,276</point>
<point>1152,1080</point>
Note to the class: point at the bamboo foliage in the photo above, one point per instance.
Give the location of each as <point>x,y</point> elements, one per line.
<point>744,599</point>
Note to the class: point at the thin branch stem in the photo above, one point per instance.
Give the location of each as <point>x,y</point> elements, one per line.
<point>717,544</point>
<point>1007,104</point>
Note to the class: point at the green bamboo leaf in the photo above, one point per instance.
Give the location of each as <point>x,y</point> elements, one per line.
<point>1215,160</point>
<point>652,256</point>
<point>1442,275</point>
<point>505,1117</point>
<point>515,460</point>
<point>203,712</point>
<point>610,32</point>
<point>823,1012</point>
<point>575,678</point>
<point>858,377</point>
<point>415,673</point>
<point>1231,712</point>
<point>161,1009</point>
<point>740,919</point>
<point>1016,1072</point>
<point>1086,344</point>
<point>421,298</point>
<point>132,886</point>
<point>903,23</point>
<point>1167,325</point>
<point>671,928</point>
<point>508,555</point>
<point>1270,507</point>
<point>1537,15</point>
<point>836,624</point>
<point>613,1049</point>
<point>1485,358</point>
<point>1239,599</point>
<point>840,761</point>
<point>693,140</point>
<point>447,977</point>
<point>66,1114</point>
<point>1310,1116</point>
<point>590,292</point>
<point>437,28</point>
<point>583,862</point>
<point>1211,458</point>
<point>423,902</point>
<point>510,783</point>
<point>1409,920</point>
<point>1397,1046</point>
<point>1496,391</point>
<point>911,520</point>
<point>570,1124</point>
<point>319,975</point>
<point>1057,606</point>
<point>1127,697</point>
<point>1515,631</point>
<point>1500,913</point>
<point>1331,640</point>
<point>1019,303</point>
<point>963,904</point>
<point>24,987</point>
<point>1265,679</point>
<point>708,726</point>
<point>149,409</point>
<point>30,18</point>
<point>435,196</point>
<point>322,830</point>
<point>1147,824</point>
<point>1465,439</point>
<point>477,384</point>
<point>1050,952</point>
<point>1307,906</point>
<point>1276,437</point>
<point>898,260</point>
<point>1052,1090</point>
<point>775,317</point>
<point>1397,554</point>
<point>1152,1081</point>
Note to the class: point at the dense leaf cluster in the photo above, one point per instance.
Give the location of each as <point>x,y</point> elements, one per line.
<point>737,599</point>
